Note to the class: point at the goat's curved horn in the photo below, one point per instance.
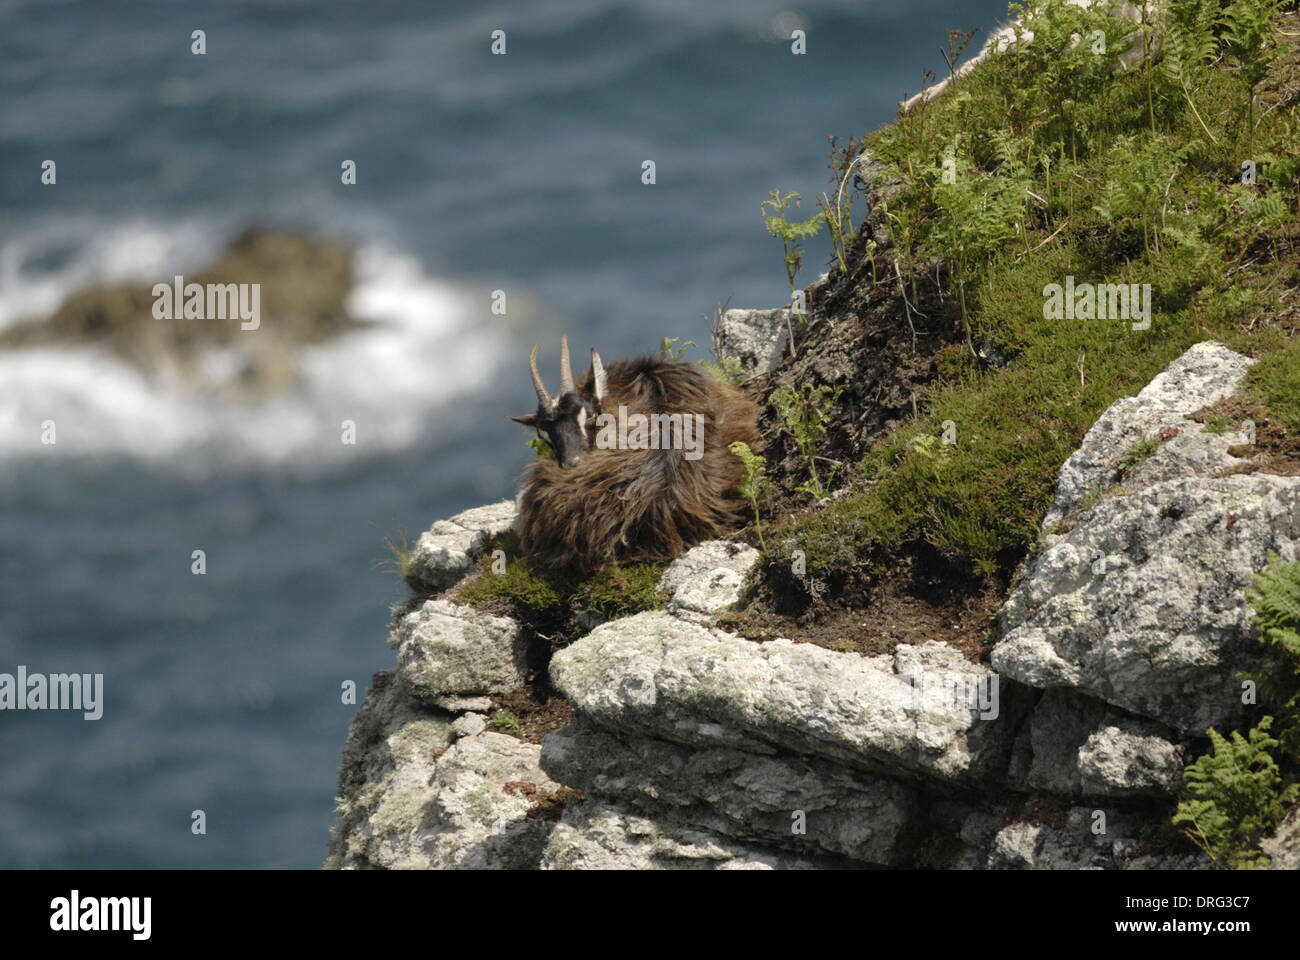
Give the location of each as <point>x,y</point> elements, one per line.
<point>566,371</point>
<point>597,375</point>
<point>542,396</point>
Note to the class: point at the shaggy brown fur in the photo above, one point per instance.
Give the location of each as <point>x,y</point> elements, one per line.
<point>622,506</point>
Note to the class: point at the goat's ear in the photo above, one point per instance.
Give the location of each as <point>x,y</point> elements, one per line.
<point>528,421</point>
<point>597,376</point>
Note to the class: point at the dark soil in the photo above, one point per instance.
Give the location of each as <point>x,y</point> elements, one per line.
<point>904,608</point>
<point>861,337</point>
<point>547,804</point>
<point>857,338</point>
<point>537,706</point>
<point>1276,449</point>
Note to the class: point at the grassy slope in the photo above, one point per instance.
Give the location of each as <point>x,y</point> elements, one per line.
<point>1066,165</point>
<point>553,600</point>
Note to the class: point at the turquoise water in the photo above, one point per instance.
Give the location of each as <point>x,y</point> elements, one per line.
<point>475,173</point>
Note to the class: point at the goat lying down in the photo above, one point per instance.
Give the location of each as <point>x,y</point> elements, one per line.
<point>642,469</point>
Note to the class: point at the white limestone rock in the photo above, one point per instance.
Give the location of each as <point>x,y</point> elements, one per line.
<point>707,579</point>
<point>447,550</point>
<point>654,675</point>
<point>444,649</point>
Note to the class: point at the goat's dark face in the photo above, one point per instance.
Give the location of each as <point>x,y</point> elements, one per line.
<point>566,421</point>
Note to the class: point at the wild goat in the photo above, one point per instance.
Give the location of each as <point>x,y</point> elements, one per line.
<point>642,469</point>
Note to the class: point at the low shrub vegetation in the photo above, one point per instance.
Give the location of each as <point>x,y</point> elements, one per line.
<point>558,601</point>
<point>1239,791</point>
<point>1050,163</point>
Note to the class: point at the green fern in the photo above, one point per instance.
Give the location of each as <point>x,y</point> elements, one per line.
<point>754,483</point>
<point>806,414</point>
<point>1059,65</point>
<point>1235,796</point>
<point>1238,793</point>
<point>1188,43</point>
<point>1258,212</point>
<point>932,450</point>
<point>506,722</point>
<point>1143,169</point>
<point>726,368</point>
<point>1276,605</point>
<point>790,232</point>
<point>1247,29</point>
<point>667,351</point>
<point>981,212</point>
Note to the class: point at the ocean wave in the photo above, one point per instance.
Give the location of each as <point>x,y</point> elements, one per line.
<point>426,343</point>
<point>45,261</point>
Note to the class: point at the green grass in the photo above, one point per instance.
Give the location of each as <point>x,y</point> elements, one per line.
<point>1218,423</point>
<point>1091,498</point>
<point>1074,169</point>
<point>400,555</point>
<point>540,594</point>
<point>1275,382</point>
<point>505,722</point>
<point>619,591</point>
<point>551,598</point>
<point>1136,455</point>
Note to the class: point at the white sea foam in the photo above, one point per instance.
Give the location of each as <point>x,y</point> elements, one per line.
<point>429,343</point>
<point>43,263</point>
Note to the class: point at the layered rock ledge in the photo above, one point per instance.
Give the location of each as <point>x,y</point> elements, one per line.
<point>693,748</point>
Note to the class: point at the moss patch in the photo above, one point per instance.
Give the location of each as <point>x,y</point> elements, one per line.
<point>1275,382</point>
<point>1276,449</point>
<point>1081,171</point>
<point>558,603</point>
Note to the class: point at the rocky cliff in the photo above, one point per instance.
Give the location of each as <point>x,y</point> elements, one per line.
<point>951,660</point>
<point>690,747</point>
